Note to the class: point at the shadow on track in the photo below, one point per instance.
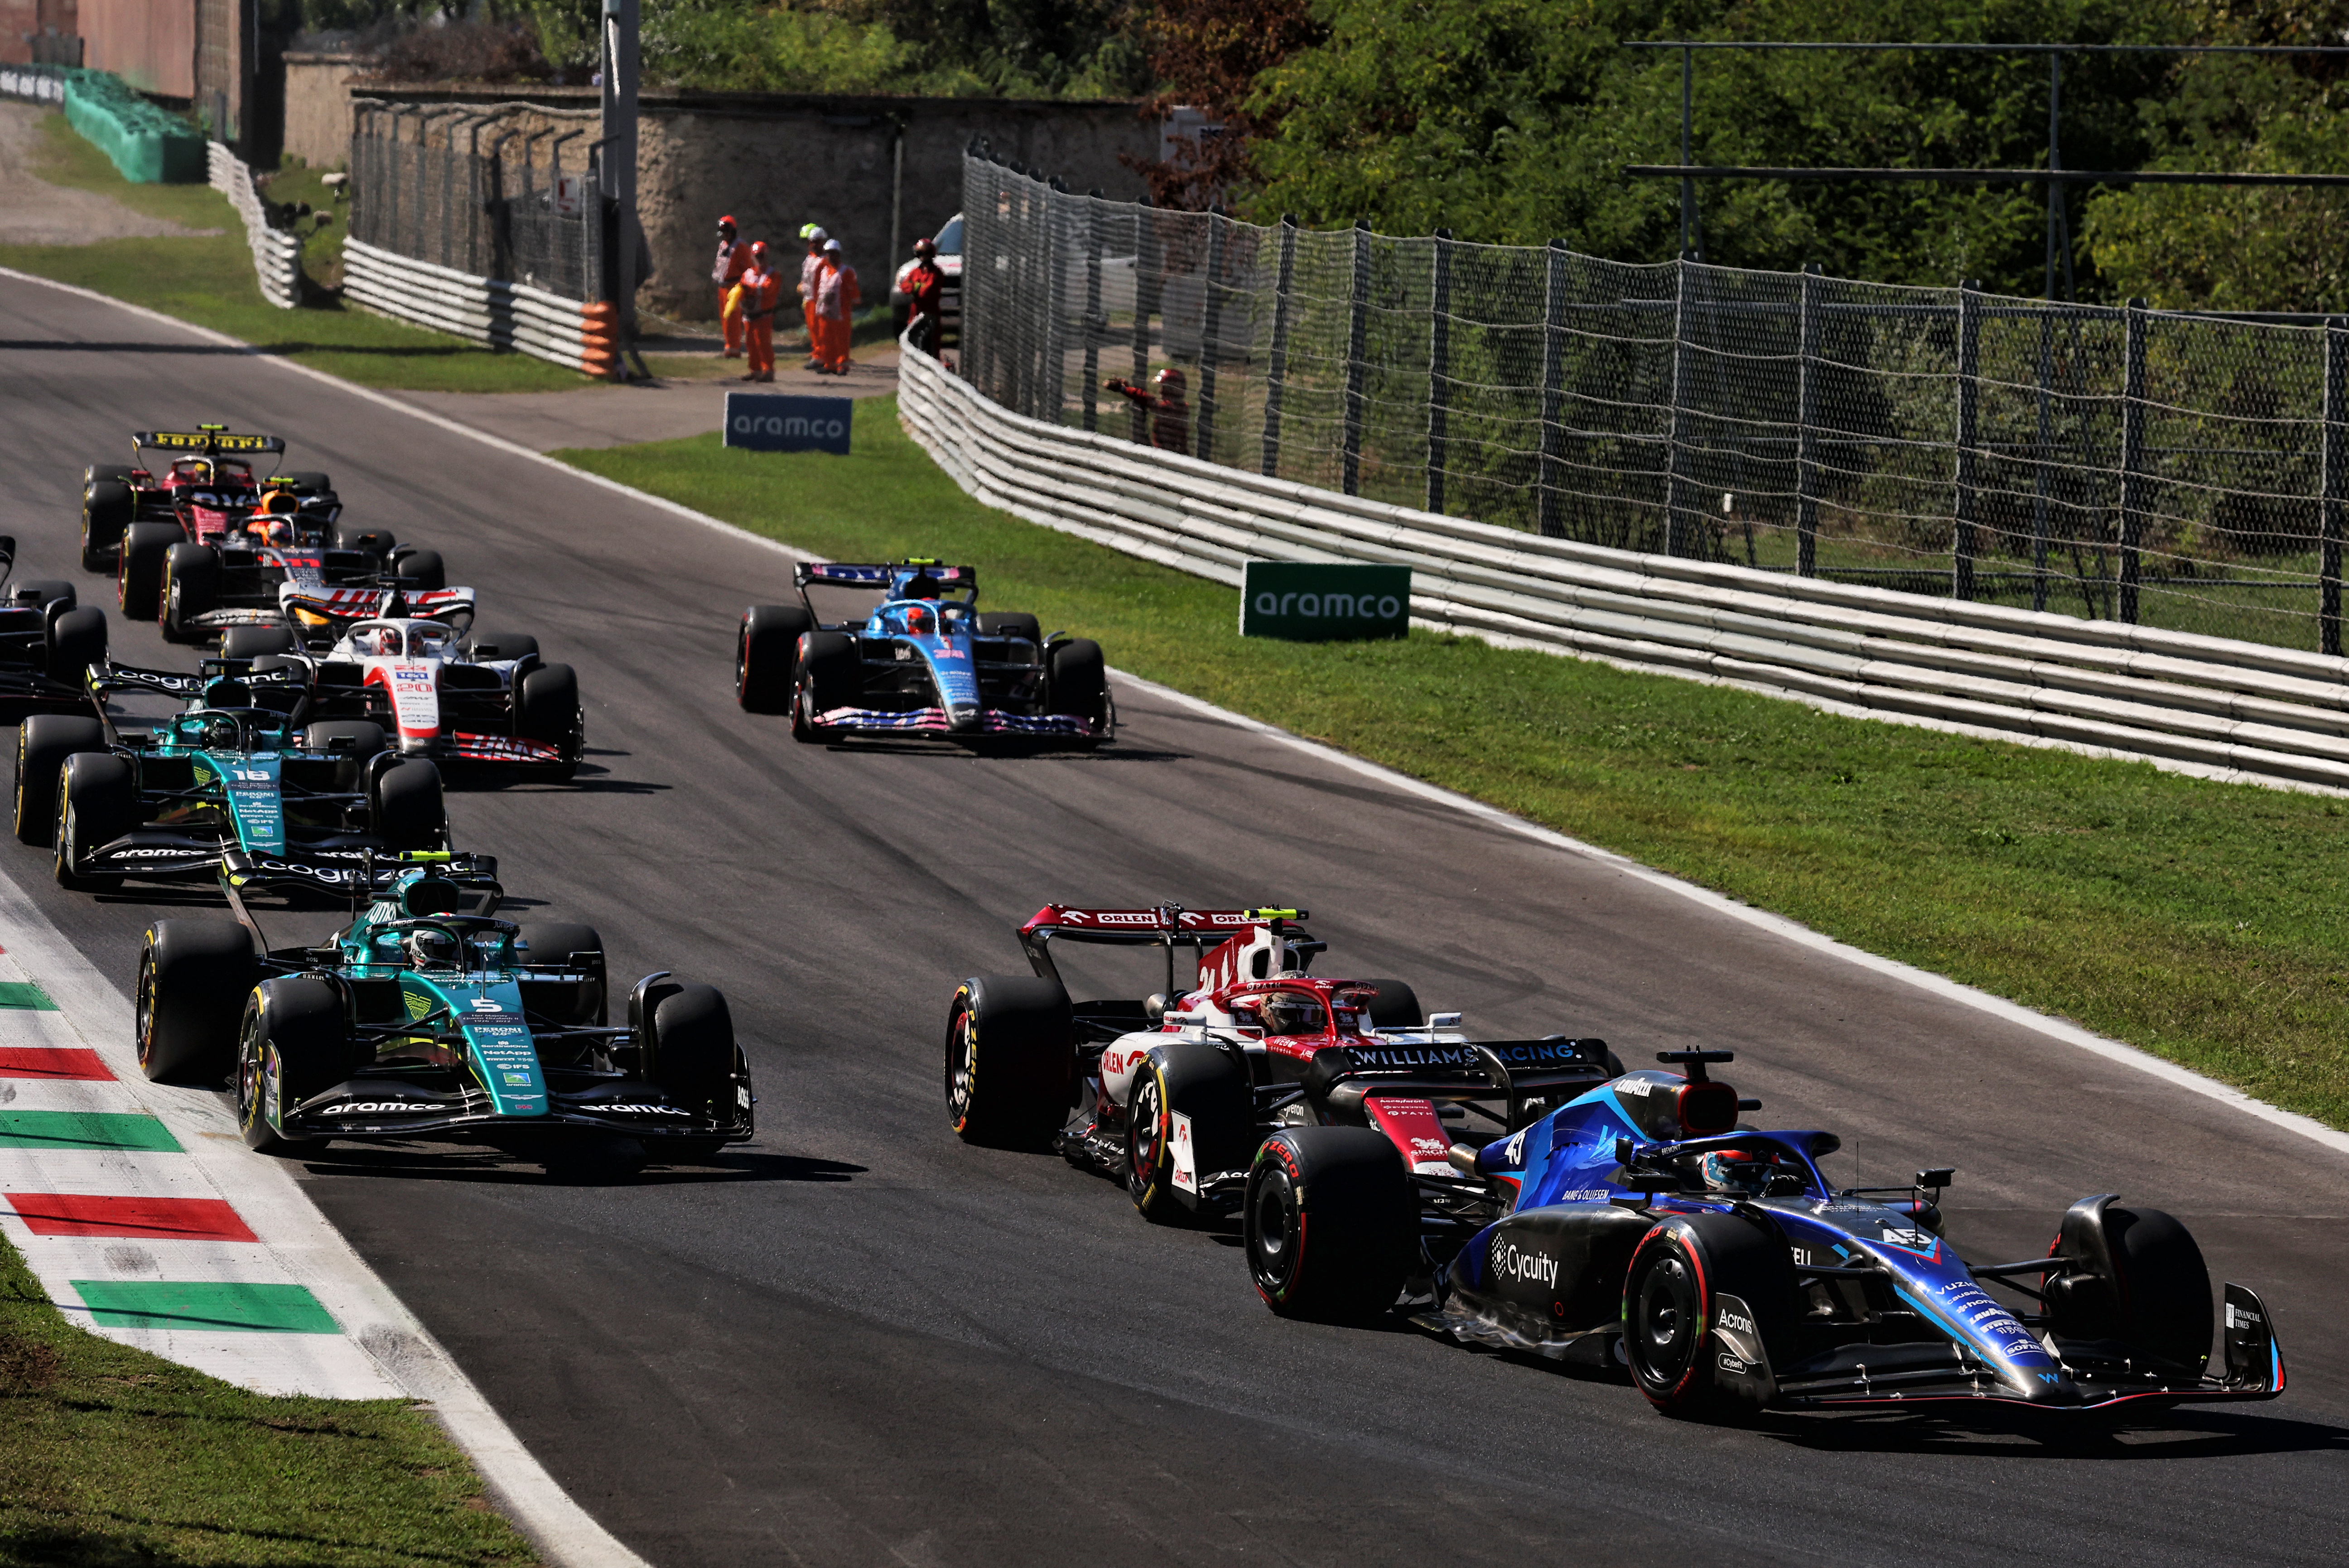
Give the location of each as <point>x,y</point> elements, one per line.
<point>596,1167</point>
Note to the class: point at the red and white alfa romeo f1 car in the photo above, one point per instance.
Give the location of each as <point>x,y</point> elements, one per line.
<point>1174,1092</point>
<point>435,690</point>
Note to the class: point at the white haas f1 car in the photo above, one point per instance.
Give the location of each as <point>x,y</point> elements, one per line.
<point>455,696</point>
<point>1173,1094</point>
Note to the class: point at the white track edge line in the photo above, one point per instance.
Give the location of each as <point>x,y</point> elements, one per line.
<point>521,1488</point>
<point>1780,926</point>
<point>1923,980</point>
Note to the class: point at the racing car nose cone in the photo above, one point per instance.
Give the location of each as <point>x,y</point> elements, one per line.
<point>963,717</point>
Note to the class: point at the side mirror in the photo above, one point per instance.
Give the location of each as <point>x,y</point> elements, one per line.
<point>1443,1020</point>
<point>1936,1180</point>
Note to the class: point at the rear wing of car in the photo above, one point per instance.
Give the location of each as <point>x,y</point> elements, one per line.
<point>206,440</point>
<point>112,677</point>
<point>307,608</point>
<point>853,574</point>
<point>1167,925</point>
<point>354,873</point>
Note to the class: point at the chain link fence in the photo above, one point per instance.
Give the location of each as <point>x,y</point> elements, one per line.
<point>508,195</point>
<point>2176,470</point>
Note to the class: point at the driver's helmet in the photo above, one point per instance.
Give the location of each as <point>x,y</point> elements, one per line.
<point>1736,1170</point>
<point>195,469</point>
<point>428,639</point>
<point>1291,1012</point>
<point>217,733</point>
<point>921,621</point>
<point>271,528</point>
<point>376,641</point>
<point>431,946</point>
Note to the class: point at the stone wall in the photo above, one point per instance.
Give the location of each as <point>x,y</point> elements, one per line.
<point>151,44</point>
<point>775,161</point>
<point>318,108</point>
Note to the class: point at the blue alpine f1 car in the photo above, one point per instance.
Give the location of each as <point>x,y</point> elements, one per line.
<point>922,658</point>
<point>1638,1222</point>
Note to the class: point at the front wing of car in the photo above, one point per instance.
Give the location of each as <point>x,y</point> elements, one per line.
<point>933,721</point>
<point>392,1107</point>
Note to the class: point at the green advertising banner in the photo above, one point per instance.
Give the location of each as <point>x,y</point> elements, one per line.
<point>1321,601</point>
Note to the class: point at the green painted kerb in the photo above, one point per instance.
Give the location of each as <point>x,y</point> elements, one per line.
<point>84,1130</point>
<point>1322,601</point>
<point>198,1307</point>
<point>24,996</point>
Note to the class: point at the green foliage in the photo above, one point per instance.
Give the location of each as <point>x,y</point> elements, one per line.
<point>2200,921</point>
<point>111,1456</point>
<point>720,48</point>
<point>1510,120</point>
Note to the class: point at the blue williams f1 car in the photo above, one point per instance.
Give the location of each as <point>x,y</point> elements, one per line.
<point>924,660</point>
<point>1639,1222</point>
<point>421,1021</point>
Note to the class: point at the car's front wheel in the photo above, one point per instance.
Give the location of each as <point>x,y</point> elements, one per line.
<point>294,1043</point>
<point>1327,1223</point>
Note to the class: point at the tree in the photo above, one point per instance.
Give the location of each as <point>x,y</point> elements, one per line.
<point>1208,54</point>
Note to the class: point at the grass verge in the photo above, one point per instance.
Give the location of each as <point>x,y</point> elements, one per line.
<point>208,279</point>
<point>111,1456</point>
<point>2198,920</point>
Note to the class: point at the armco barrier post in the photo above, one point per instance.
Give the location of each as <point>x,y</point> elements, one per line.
<point>1553,373</point>
<point>1680,398</point>
<point>2132,458</point>
<point>2042,455</point>
<point>1211,331</point>
<point>1439,369</point>
<point>1961,573</point>
<point>1806,435</point>
<point>1358,347</point>
<point>2335,485</point>
<point>1278,376</point>
<point>1052,387</point>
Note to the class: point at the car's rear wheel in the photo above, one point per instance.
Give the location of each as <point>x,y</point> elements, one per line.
<point>98,803</point>
<point>256,641</point>
<point>374,541</point>
<point>190,588</point>
<point>503,644</point>
<point>294,1043</point>
<point>767,656</point>
<point>138,568</point>
<point>1010,623</point>
<point>194,975</point>
<point>1010,1049</point>
<point>308,482</point>
<point>421,570</point>
<point>1327,1223</point>
<point>43,741</point>
<point>107,506</point>
<point>554,945</point>
<point>405,806</point>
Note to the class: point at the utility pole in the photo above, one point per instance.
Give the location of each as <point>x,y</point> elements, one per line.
<point>618,166</point>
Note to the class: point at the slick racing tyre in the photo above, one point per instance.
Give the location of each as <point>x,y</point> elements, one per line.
<point>547,944</point>
<point>256,641</point>
<point>43,744</point>
<point>47,592</point>
<point>1328,1223</point>
<point>405,808</point>
<point>421,571</point>
<point>77,641</point>
<point>1010,623</point>
<point>690,1051</point>
<point>375,542</point>
<point>1076,682</point>
<point>504,645</point>
<point>98,803</point>
<point>767,656</point>
<point>193,977</point>
<point>1010,1051</point>
<point>827,678</point>
<point>1672,1291</point>
<point>1396,1005</point>
<point>190,588</point>
<point>309,482</point>
<point>292,1043</point>
<point>357,738</point>
<point>107,508</point>
<point>546,704</point>
<point>1210,1092</point>
<point>2143,1283</point>
<point>138,568</point>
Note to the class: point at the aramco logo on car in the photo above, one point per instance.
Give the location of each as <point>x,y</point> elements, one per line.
<point>772,422</point>
<point>1321,601</point>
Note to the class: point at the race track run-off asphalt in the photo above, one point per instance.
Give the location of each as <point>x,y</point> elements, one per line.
<point>858,1341</point>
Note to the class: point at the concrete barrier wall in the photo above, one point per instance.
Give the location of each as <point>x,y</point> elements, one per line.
<point>2241,708</point>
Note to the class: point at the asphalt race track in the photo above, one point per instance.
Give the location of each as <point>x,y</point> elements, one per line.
<point>860,1342</point>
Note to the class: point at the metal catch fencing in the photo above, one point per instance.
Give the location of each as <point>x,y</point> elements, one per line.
<point>488,192</point>
<point>2175,470</point>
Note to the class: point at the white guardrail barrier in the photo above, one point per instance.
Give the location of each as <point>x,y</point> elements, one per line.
<point>570,332</point>
<point>277,254</point>
<point>32,84</point>
<point>2237,707</point>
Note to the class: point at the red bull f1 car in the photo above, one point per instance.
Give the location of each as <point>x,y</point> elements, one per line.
<point>1172,1094</point>
<point>1640,1223</point>
<point>923,659</point>
<point>201,542</point>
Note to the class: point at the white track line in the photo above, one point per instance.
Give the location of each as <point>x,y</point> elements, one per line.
<point>1923,980</point>
<point>407,1359</point>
